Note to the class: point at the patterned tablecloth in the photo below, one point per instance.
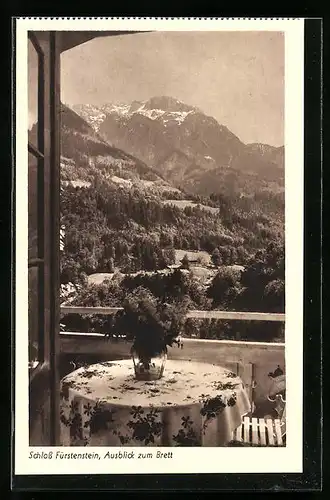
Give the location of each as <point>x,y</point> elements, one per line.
<point>193,404</point>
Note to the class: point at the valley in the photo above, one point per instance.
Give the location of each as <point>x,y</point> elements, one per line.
<point>189,209</point>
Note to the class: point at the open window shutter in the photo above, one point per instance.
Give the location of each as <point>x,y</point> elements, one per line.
<point>43,260</point>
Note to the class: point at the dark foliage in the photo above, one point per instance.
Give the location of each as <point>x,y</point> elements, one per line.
<point>151,324</point>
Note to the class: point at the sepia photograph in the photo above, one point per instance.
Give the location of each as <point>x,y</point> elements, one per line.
<point>157,247</point>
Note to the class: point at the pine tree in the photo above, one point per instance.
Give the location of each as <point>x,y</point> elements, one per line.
<point>185,262</point>
<point>216,257</point>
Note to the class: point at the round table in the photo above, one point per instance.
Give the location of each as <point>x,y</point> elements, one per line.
<point>193,404</point>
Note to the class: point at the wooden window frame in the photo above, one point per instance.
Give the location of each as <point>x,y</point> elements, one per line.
<point>37,151</point>
<point>44,378</point>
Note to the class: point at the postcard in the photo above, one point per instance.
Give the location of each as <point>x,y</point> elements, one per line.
<point>159,245</point>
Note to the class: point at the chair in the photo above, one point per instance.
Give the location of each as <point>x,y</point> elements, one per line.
<point>265,431</point>
<point>260,432</point>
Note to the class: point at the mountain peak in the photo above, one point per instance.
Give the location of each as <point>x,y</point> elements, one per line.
<point>167,103</point>
<point>181,142</point>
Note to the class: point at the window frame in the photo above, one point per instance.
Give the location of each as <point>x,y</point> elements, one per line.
<point>44,378</point>
<point>38,152</point>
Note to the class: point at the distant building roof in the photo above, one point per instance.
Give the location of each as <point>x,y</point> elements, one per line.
<point>191,258</point>
<point>98,278</point>
<point>236,267</point>
<point>77,183</point>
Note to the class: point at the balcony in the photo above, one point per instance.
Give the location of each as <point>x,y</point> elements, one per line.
<point>253,361</point>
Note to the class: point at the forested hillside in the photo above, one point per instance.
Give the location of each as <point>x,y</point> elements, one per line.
<point>109,226</point>
<point>122,218</point>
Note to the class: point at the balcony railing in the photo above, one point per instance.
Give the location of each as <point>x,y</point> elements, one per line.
<point>252,360</point>
<point>225,315</point>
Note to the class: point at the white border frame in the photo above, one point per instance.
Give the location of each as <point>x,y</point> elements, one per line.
<point>185,460</point>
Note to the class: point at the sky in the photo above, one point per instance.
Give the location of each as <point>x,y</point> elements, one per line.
<point>236,77</point>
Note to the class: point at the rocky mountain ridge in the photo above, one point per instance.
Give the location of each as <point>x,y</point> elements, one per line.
<point>184,145</point>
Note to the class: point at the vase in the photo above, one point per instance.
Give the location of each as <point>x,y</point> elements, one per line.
<point>149,368</point>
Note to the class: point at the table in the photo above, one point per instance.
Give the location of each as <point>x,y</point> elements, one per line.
<point>193,404</point>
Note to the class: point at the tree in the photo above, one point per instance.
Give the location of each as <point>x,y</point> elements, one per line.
<point>165,240</point>
<point>185,262</point>
<point>234,255</point>
<point>169,256</point>
<point>111,265</point>
<point>216,257</point>
<point>274,296</point>
<point>241,255</point>
<point>225,287</point>
<point>263,280</point>
<point>176,285</point>
<point>225,255</point>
